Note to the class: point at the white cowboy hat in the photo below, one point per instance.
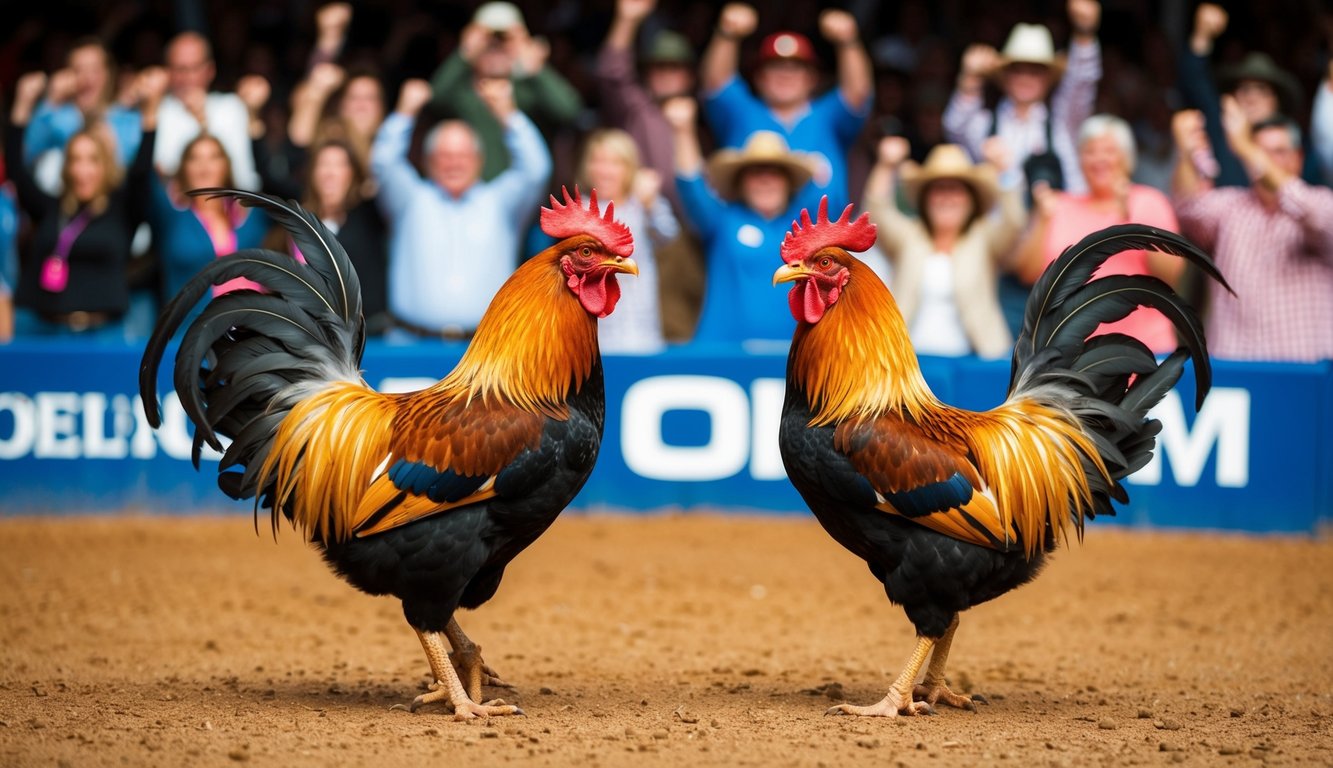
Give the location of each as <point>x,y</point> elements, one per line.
<point>1030,44</point>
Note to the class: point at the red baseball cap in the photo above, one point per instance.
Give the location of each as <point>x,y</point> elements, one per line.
<point>787,46</point>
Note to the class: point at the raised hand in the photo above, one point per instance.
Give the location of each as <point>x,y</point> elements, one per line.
<point>62,86</point>
<point>1187,126</point>
<point>1210,21</point>
<point>838,27</point>
<point>1044,199</point>
<point>333,18</point>
<point>646,186</point>
<point>324,79</point>
<point>497,93</point>
<point>979,60</point>
<point>680,112</point>
<point>635,10</point>
<point>150,85</point>
<point>414,95</point>
<point>254,91</point>
<point>1085,16</point>
<point>995,151</point>
<point>737,20</point>
<point>532,55</point>
<point>893,150</point>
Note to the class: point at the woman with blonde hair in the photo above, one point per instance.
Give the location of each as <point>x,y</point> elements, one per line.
<point>945,259</point>
<point>72,278</point>
<point>610,164</point>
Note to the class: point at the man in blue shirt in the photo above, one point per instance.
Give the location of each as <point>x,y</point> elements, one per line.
<point>784,84</point>
<point>455,239</point>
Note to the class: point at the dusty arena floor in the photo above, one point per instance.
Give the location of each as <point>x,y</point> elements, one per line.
<point>680,640</point>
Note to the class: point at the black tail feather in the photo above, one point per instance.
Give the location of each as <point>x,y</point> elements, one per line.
<point>1109,382</point>
<point>242,361</point>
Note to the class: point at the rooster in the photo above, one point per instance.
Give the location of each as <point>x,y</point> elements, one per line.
<point>951,508</point>
<point>425,496</point>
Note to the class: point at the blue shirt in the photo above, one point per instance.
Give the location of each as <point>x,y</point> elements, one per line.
<point>826,131</point>
<point>448,256</point>
<point>51,128</point>
<point>742,252</point>
<point>184,246</point>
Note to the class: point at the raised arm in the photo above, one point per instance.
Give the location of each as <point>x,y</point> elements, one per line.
<point>26,93</point>
<point>1005,223</point>
<point>1030,257</point>
<point>529,171</point>
<point>722,56</point>
<point>881,186</point>
<point>1321,125</point>
<point>1199,91</point>
<point>150,85</point>
<point>620,91</point>
<point>1194,157</point>
<point>388,155</point>
<point>308,102</point>
<point>331,23</point>
<point>701,205</point>
<point>1076,95</point>
<point>966,119</point>
<point>855,74</point>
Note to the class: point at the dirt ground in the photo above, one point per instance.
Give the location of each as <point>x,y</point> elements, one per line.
<point>667,640</point>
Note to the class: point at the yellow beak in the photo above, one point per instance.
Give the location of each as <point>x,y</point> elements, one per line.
<point>790,272</point>
<point>621,264</point>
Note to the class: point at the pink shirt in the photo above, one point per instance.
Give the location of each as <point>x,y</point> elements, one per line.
<point>224,244</point>
<point>1075,218</point>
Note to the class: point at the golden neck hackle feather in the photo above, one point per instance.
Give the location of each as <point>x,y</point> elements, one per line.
<point>858,363</point>
<point>534,345</point>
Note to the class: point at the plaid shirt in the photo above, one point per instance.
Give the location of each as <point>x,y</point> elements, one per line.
<point>1280,262</point>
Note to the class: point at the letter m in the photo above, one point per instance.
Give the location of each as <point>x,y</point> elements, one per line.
<point>1223,422</point>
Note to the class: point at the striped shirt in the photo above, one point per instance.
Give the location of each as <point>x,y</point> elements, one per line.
<point>1279,260</point>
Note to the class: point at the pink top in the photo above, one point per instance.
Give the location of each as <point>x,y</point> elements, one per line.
<point>224,244</point>
<point>1075,217</point>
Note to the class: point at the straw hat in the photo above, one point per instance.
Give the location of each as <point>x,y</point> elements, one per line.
<point>762,148</point>
<point>1030,44</point>
<point>950,161</point>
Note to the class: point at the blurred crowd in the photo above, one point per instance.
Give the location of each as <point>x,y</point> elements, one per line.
<point>982,138</point>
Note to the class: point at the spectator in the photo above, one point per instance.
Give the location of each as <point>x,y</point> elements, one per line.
<point>455,237</point>
<point>1321,125</point>
<point>611,166</point>
<point>190,231</point>
<point>190,109</point>
<point>945,261</point>
<point>1106,153</point>
<point>1261,88</point>
<point>1271,240</point>
<point>337,190</point>
<point>72,278</point>
<point>785,82</point>
<point>742,217</point>
<point>636,106</point>
<point>496,46</point>
<point>330,104</point>
<point>81,93</point>
<point>1041,137</point>
<point>6,313</point>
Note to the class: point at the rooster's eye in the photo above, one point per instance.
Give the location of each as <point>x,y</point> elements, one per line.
<point>585,251</point>
<point>825,262</point>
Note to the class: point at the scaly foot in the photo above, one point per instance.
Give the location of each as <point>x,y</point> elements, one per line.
<point>463,710</point>
<point>933,693</point>
<point>474,672</point>
<point>892,705</point>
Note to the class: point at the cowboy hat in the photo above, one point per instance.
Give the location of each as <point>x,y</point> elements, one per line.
<point>950,161</point>
<point>1260,66</point>
<point>1030,44</point>
<point>762,148</point>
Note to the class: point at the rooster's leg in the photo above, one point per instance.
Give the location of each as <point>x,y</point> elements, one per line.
<point>447,686</point>
<point>898,701</point>
<point>466,660</point>
<point>933,688</point>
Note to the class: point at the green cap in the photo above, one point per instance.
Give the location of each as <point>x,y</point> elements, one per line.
<point>669,48</point>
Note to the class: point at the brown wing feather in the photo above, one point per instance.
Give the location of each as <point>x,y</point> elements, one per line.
<point>896,455</point>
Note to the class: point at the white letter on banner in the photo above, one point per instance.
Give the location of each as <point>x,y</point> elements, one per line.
<point>142,445</point>
<point>647,400</point>
<point>766,397</point>
<point>20,441</point>
<point>1223,421</point>
<point>97,444</point>
<point>57,429</point>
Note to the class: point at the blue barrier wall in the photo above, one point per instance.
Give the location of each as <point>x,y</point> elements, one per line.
<point>694,426</point>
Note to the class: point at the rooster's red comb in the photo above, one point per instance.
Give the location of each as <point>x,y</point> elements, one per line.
<point>807,237</point>
<point>570,218</point>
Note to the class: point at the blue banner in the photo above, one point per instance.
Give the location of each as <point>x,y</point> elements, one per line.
<point>692,427</point>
